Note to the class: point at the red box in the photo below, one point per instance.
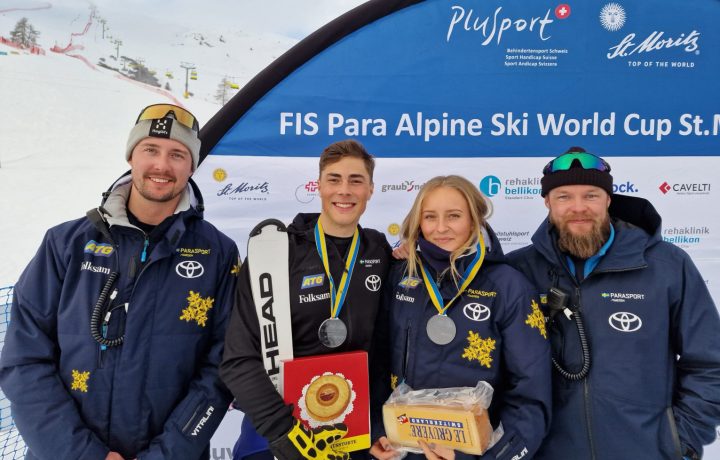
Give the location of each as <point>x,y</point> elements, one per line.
<point>329,389</point>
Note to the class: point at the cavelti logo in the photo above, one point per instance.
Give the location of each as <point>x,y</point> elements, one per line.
<point>687,188</point>
<point>612,17</point>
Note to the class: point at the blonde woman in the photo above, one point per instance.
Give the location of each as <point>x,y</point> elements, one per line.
<point>458,314</point>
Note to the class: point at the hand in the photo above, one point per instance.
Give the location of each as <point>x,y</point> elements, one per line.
<point>435,452</point>
<point>383,450</point>
<point>401,252</point>
<point>114,456</point>
<point>302,443</point>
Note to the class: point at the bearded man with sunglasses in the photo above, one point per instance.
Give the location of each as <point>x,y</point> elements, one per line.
<point>634,332</point>
<point>118,321</point>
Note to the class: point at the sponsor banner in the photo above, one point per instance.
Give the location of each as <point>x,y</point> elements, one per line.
<point>490,90</point>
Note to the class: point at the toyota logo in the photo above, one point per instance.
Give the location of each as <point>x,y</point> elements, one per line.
<point>189,269</point>
<point>625,322</point>
<point>476,312</point>
<point>373,283</point>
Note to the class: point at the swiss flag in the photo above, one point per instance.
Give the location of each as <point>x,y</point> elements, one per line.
<point>562,11</point>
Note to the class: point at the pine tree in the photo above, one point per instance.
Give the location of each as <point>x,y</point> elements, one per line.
<point>24,34</point>
<point>223,91</point>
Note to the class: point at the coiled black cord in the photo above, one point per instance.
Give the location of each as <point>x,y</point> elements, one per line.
<point>96,317</point>
<point>585,353</point>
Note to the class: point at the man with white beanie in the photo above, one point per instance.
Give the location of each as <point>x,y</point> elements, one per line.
<point>118,321</point>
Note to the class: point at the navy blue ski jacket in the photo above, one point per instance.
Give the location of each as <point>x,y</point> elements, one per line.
<point>654,336</point>
<point>500,339</point>
<point>158,394</point>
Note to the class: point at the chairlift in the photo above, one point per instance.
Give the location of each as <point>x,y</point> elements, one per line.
<point>193,75</point>
<point>233,85</point>
<point>169,74</point>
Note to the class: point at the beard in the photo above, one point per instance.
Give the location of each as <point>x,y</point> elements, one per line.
<point>585,245</point>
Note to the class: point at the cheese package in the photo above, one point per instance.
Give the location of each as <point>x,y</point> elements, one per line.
<point>453,417</point>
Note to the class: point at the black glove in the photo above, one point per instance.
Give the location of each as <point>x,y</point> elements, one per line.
<point>301,443</point>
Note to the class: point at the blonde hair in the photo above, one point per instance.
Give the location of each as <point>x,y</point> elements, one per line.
<point>479,208</point>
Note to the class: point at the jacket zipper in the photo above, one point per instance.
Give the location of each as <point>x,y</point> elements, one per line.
<point>586,383</point>
<point>131,269</point>
<point>406,355</point>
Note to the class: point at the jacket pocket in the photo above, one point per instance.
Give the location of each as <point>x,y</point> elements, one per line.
<point>195,415</point>
<point>674,433</point>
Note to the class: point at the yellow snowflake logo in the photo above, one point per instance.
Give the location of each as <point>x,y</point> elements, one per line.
<point>80,379</point>
<point>536,319</point>
<point>393,381</point>
<point>479,349</point>
<point>197,308</point>
<point>235,270</point>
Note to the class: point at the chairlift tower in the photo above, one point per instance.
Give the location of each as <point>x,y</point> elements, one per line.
<point>188,67</point>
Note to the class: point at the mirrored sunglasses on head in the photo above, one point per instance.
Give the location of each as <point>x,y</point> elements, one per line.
<point>584,159</point>
<point>160,111</point>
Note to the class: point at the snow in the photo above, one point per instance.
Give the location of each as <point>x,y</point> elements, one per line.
<point>64,123</point>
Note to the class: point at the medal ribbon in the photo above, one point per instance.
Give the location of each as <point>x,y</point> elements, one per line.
<point>467,278</point>
<point>337,297</point>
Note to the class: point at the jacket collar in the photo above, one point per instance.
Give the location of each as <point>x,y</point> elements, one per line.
<point>637,227</point>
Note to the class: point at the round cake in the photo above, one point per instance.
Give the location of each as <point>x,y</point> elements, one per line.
<point>327,397</point>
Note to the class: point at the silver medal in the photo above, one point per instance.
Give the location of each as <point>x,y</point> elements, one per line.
<point>441,329</point>
<point>332,332</point>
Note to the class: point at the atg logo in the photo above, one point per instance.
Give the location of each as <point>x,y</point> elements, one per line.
<point>410,283</point>
<point>685,188</point>
<point>310,281</point>
<point>98,249</point>
<point>516,188</point>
